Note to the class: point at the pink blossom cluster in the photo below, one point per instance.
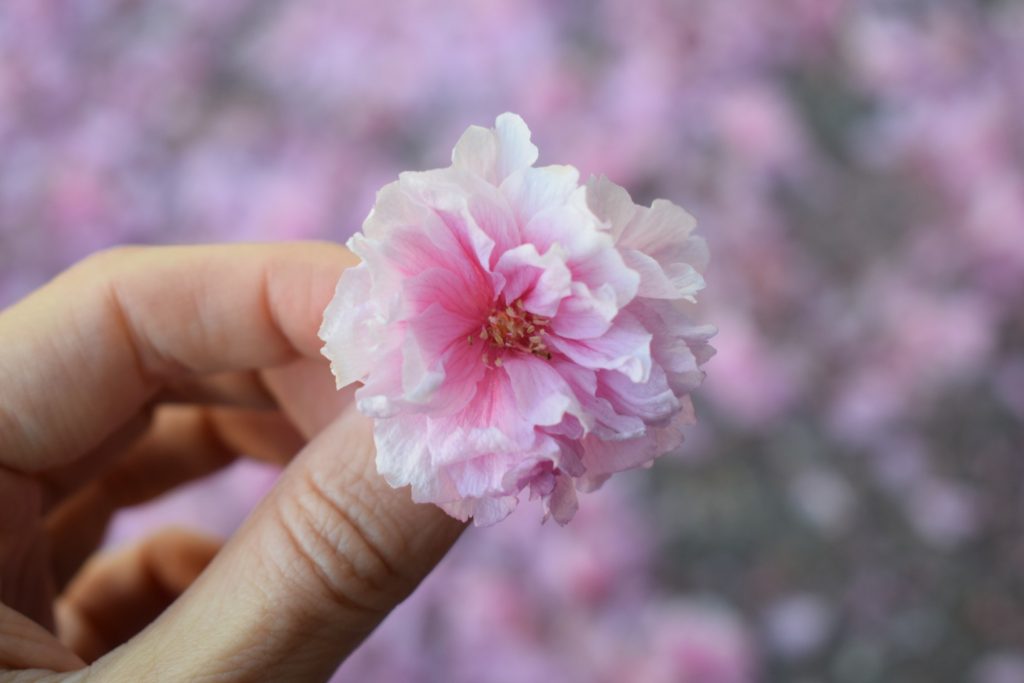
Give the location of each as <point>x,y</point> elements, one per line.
<point>516,330</point>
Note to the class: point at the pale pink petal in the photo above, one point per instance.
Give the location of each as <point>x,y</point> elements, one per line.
<point>394,208</point>
<point>589,252</point>
<point>546,481</point>
<point>448,290</point>
<point>494,154</point>
<point>664,226</point>
<point>446,194</point>
<point>416,383</point>
<point>678,345</point>
<point>566,432</point>
<point>495,218</point>
<point>603,458</point>
<point>489,424</point>
<point>660,238</point>
<point>607,457</point>
<point>573,230</point>
<point>675,281</point>
<point>608,270</point>
<point>542,395</point>
<point>625,347</point>
<point>562,504</point>
<point>401,451</point>
<point>352,327</point>
<point>652,401</point>
<point>585,314</point>
<point>484,511</point>
<point>515,151</point>
<point>438,242</point>
<point>607,423</point>
<point>532,190</point>
<point>452,346</point>
<point>380,395</point>
<point>480,476</point>
<point>422,374</point>
<point>541,281</point>
<point>535,474</point>
<point>610,203</point>
<point>568,459</point>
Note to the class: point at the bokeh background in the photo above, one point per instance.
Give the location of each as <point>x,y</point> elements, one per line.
<point>850,507</point>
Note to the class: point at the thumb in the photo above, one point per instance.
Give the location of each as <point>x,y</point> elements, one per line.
<point>321,561</point>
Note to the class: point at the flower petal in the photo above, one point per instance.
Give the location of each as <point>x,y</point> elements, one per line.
<point>489,424</point>
<point>542,395</point>
<point>610,203</point>
<point>448,290</point>
<point>585,314</point>
<point>659,245</point>
<point>664,226</point>
<point>589,251</point>
<point>652,401</point>
<point>562,504</point>
<point>604,420</point>
<point>531,190</point>
<point>541,281</point>
<point>607,457</point>
<point>493,215</point>
<point>402,456</point>
<point>677,280</point>
<point>625,347</point>
<point>678,345</point>
<point>449,341</point>
<point>484,511</point>
<point>494,154</point>
<point>352,327</point>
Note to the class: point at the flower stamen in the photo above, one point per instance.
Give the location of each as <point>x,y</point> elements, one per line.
<point>513,328</point>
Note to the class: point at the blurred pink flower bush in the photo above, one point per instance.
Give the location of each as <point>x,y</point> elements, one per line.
<point>585,587</point>
<point>855,166</point>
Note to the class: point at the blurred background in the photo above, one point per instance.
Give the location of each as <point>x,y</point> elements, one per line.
<point>850,507</point>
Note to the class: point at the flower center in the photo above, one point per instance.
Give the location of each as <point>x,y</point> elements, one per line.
<point>513,328</point>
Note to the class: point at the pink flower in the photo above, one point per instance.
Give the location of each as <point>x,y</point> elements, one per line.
<point>516,331</point>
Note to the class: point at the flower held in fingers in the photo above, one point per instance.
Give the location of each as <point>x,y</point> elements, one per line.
<point>517,332</point>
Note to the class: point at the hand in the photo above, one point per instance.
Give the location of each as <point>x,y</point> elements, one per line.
<point>139,369</point>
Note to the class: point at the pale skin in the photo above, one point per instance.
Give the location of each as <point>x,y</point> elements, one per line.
<point>140,369</point>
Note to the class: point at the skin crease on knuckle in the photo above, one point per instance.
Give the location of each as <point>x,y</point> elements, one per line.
<point>343,545</point>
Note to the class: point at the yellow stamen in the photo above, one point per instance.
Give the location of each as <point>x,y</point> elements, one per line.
<point>513,328</point>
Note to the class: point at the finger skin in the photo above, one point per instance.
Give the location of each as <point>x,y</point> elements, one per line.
<point>23,550</point>
<point>25,592</point>
<point>82,355</point>
<point>118,593</point>
<point>306,392</point>
<point>184,443</point>
<point>243,389</point>
<point>322,560</point>
<point>25,644</point>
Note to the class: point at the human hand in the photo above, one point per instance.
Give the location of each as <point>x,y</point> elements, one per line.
<point>140,369</point>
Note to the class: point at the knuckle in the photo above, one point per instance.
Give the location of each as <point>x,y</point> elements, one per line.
<point>344,547</point>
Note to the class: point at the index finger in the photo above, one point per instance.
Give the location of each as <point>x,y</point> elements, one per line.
<point>80,356</point>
